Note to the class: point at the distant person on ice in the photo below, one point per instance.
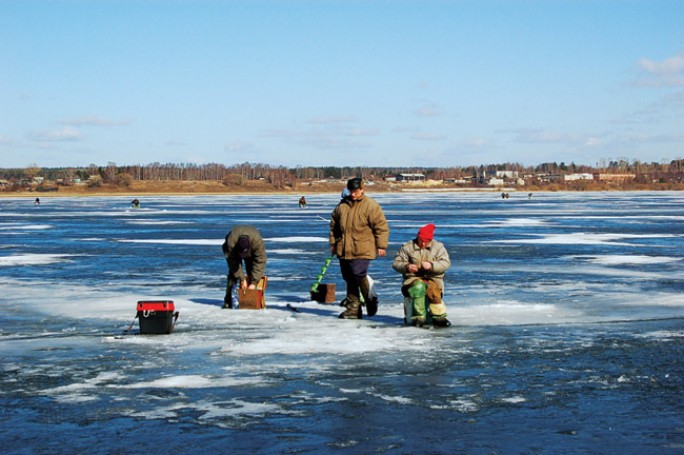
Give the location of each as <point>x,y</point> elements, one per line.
<point>243,244</point>
<point>422,263</point>
<point>358,233</point>
<point>302,202</point>
<point>135,203</point>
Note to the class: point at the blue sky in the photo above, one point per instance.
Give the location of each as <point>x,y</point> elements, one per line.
<point>333,83</point>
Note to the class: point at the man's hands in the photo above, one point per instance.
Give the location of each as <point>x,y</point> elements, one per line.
<point>244,285</point>
<point>414,268</point>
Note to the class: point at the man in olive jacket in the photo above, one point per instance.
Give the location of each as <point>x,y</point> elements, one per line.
<point>243,243</point>
<point>422,263</point>
<point>358,233</point>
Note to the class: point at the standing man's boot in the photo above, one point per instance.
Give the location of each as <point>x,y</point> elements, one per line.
<point>228,298</point>
<point>370,300</point>
<point>353,310</point>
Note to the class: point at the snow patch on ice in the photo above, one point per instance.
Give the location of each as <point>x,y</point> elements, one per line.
<point>175,241</point>
<point>156,222</point>
<point>298,239</point>
<point>514,399</point>
<point>25,227</point>
<point>626,259</point>
<point>194,382</point>
<point>32,259</point>
<point>582,238</point>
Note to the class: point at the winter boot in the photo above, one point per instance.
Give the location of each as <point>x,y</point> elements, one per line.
<point>353,310</point>
<point>441,322</point>
<point>408,310</point>
<point>418,321</point>
<point>370,299</point>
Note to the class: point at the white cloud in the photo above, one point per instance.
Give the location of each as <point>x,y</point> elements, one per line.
<point>532,136</point>
<point>326,133</point>
<point>332,119</point>
<point>356,132</point>
<point>277,133</point>
<point>671,65</point>
<point>654,138</point>
<point>669,72</point>
<point>331,141</point>
<point>667,107</point>
<point>94,121</point>
<point>592,141</point>
<point>172,143</point>
<point>431,110</point>
<point>66,134</point>
<point>428,136</point>
<point>538,136</point>
<point>239,147</point>
<point>477,142</point>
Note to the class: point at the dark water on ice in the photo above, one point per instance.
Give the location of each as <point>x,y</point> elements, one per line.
<point>568,331</point>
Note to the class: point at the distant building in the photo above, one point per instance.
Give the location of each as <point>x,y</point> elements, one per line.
<point>614,177</point>
<point>457,181</point>
<point>410,177</point>
<point>495,182</point>
<point>507,174</point>
<point>575,177</point>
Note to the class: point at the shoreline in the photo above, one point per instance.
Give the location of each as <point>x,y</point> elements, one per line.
<point>139,189</point>
<point>139,194</point>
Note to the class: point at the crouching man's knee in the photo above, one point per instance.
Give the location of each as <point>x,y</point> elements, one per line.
<point>438,310</point>
<point>414,305</point>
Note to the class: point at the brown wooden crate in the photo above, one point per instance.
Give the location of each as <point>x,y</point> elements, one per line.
<point>253,299</point>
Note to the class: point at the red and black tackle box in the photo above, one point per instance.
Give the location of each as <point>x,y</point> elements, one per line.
<point>156,316</point>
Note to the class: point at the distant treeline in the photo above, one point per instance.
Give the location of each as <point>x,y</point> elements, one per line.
<point>282,176</point>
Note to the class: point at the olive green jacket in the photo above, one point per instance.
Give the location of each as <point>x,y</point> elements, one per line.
<point>233,257</point>
<point>358,229</point>
<point>411,253</point>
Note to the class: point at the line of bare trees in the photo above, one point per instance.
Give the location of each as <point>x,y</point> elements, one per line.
<point>279,175</point>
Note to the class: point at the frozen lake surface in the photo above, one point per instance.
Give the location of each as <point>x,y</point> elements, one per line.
<point>567,336</point>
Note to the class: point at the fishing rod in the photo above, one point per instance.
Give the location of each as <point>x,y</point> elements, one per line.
<point>125,332</point>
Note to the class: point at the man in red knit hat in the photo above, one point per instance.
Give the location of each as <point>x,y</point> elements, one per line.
<point>422,263</point>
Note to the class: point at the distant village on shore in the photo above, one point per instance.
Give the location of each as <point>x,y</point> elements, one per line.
<point>248,177</point>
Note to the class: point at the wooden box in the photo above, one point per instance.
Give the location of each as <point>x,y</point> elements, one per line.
<point>253,299</point>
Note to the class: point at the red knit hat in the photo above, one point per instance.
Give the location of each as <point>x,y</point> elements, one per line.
<point>426,232</point>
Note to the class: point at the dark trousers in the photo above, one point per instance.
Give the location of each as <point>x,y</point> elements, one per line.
<point>353,272</point>
<point>247,271</point>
